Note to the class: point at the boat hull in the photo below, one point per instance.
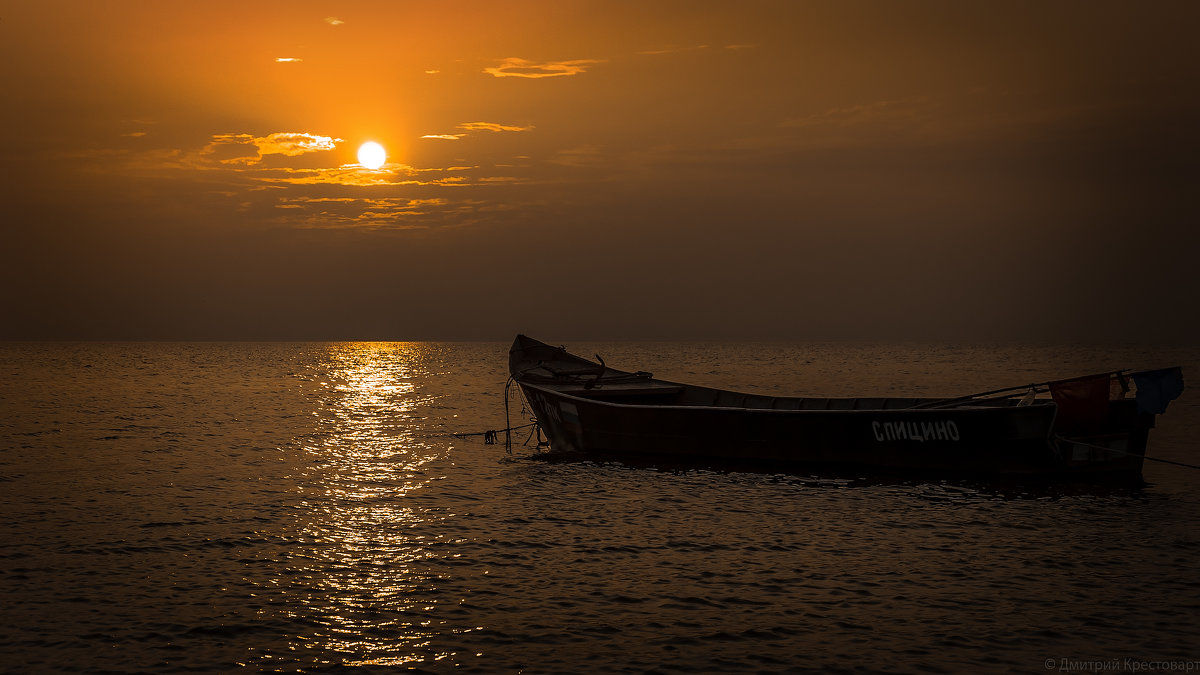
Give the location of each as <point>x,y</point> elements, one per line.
<point>980,441</point>
<point>587,408</point>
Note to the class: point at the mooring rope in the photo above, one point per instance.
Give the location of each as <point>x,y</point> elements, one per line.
<point>508,424</point>
<point>1124,452</point>
<point>491,435</point>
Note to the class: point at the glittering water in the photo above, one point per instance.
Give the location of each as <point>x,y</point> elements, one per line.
<point>290,507</point>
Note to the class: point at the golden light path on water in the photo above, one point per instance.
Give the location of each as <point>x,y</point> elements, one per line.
<point>367,593</point>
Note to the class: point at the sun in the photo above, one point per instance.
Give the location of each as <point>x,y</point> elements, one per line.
<point>371,155</point>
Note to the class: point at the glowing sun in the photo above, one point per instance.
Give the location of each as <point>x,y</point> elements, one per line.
<point>371,155</point>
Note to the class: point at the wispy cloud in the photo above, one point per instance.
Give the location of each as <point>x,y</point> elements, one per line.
<point>384,213</point>
<point>469,127</point>
<point>853,115</point>
<point>354,175</point>
<point>288,59</point>
<point>585,156</point>
<point>672,50</point>
<point>902,120</point>
<point>232,149</point>
<point>491,126</point>
<point>333,21</point>
<point>392,205</point>
<point>514,67</point>
<point>951,117</point>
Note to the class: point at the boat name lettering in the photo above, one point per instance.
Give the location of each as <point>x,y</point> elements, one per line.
<point>915,431</point>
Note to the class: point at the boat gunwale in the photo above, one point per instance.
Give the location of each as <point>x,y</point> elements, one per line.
<point>961,409</point>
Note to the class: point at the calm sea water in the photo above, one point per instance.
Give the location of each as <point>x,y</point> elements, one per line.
<point>304,507</point>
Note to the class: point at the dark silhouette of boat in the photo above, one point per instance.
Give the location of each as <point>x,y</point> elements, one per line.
<point>1082,426</point>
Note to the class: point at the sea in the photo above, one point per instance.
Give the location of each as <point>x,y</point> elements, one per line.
<point>320,507</point>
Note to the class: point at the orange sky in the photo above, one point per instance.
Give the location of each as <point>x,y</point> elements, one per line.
<point>925,170</point>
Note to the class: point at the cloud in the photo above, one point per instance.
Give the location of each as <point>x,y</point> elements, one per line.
<point>951,117</point>
<point>249,149</point>
<point>494,127</point>
<point>232,149</point>
<point>314,192</point>
<point>292,144</point>
<point>675,49</point>
<point>432,72</point>
<point>491,126</point>
<point>354,175</point>
<point>333,21</point>
<point>377,213</point>
<point>854,115</point>
<point>975,116</point>
<point>288,59</point>
<point>514,67</point>
<point>585,156</point>
<point>672,50</point>
<point>889,123</point>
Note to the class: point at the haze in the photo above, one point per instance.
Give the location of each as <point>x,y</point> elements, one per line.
<point>600,170</point>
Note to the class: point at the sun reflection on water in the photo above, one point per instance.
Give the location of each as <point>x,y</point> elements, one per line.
<point>363,587</point>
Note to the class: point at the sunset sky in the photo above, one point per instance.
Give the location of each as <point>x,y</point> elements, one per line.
<point>601,170</point>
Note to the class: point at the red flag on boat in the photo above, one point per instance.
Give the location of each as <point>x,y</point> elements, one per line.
<point>1081,401</point>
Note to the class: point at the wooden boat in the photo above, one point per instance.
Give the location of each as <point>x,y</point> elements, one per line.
<point>584,406</point>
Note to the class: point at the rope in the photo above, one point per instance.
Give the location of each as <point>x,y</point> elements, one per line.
<point>1167,461</point>
<point>525,408</point>
<point>1123,452</point>
<point>508,430</point>
<point>490,436</point>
